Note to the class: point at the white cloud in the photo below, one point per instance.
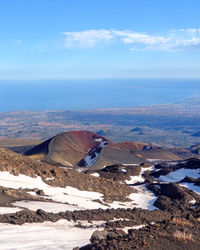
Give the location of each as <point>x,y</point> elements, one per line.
<point>192,30</point>
<point>174,40</point>
<point>134,37</point>
<point>86,38</point>
<point>178,45</point>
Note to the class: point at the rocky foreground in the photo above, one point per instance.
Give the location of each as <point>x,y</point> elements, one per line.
<point>118,206</point>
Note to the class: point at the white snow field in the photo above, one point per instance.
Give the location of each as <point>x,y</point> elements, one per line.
<point>44,236</point>
<point>180,174</point>
<point>144,198</point>
<point>75,199</point>
<point>62,234</point>
<point>191,186</point>
<point>9,210</point>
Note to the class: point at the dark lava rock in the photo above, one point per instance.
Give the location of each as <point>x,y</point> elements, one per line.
<point>136,215</point>
<point>176,200</point>
<point>163,202</point>
<point>99,235</point>
<point>174,191</point>
<point>119,172</point>
<point>155,188</point>
<point>111,169</point>
<point>164,235</point>
<point>163,171</point>
<point>188,179</point>
<point>192,163</point>
<point>40,192</point>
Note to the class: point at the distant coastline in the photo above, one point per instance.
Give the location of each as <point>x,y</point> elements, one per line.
<point>92,94</point>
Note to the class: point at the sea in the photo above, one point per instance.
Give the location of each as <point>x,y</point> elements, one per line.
<point>38,95</point>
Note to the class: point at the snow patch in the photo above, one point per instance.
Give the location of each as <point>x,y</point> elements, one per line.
<point>98,139</point>
<point>68,163</point>
<point>44,236</point>
<point>125,229</point>
<point>50,179</point>
<point>147,148</point>
<point>9,210</point>
<point>95,174</point>
<point>144,198</point>
<point>75,198</point>
<point>179,175</point>
<point>50,207</point>
<point>139,178</point>
<point>134,179</point>
<point>193,201</point>
<point>91,159</point>
<point>191,186</point>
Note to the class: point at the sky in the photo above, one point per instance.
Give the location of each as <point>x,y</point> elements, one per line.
<point>97,39</point>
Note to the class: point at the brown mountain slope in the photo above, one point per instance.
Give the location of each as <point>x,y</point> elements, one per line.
<point>86,149</point>
<point>132,146</point>
<point>111,155</point>
<point>67,148</point>
<point>153,152</point>
<point>82,148</point>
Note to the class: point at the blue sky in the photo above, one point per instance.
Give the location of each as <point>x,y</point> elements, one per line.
<point>64,39</point>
